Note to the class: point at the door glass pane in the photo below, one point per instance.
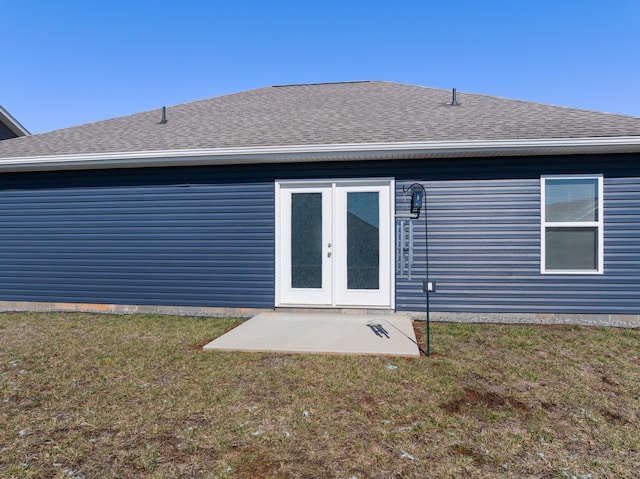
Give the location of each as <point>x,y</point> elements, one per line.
<point>572,249</point>
<point>363,240</point>
<point>572,199</point>
<point>306,240</point>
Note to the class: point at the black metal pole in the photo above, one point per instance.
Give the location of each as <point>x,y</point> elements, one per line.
<point>426,284</point>
<point>428,329</point>
<point>426,259</point>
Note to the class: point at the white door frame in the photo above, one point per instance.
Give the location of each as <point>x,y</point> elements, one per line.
<point>334,293</point>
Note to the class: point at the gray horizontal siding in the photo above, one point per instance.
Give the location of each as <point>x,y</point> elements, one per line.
<point>481,234</point>
<point>484,249</point>
<point>205,236</point>
<point>133,237</point>
<point>622,235</point>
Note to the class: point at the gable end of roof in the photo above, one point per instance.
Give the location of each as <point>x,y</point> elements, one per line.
<point>11,123</point>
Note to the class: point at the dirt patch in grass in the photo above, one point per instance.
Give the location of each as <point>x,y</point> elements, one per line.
<point>613,417</point>
<point>471,397</point>
<point>255,463</point>
<point>420,330</point>
<point>463,450</point>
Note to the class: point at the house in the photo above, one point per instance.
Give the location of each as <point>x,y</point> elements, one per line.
<point>9,126</point>
<point>300,196</point>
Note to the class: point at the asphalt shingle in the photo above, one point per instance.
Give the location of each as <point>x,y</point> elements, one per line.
<point>325,114</point>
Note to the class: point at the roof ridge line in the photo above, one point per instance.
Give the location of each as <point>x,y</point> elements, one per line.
<point>322,83</point>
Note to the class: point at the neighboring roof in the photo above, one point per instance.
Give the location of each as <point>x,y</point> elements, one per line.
<point>10,125</point>
<point>331,121</point>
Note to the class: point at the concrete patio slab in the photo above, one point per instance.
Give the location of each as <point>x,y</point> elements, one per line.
<point>329,333</point>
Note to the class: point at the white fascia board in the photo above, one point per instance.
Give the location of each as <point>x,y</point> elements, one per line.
<point>312,153</point>
<point>13,124</point>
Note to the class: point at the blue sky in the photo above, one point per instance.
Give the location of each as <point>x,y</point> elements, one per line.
<point>69,62</point>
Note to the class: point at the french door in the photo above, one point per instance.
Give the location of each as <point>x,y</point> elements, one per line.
<point>334,243</point>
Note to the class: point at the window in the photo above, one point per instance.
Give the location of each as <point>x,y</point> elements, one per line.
<point>571,226</point>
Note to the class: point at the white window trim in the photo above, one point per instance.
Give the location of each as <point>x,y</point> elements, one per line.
<point>577,224</point>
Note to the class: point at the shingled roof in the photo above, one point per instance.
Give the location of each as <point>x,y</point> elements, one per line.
<point>353,113</point>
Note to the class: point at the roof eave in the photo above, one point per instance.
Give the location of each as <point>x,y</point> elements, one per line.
<point>316,153</point>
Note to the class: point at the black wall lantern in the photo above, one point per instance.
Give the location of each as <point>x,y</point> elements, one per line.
<point>417,197</point>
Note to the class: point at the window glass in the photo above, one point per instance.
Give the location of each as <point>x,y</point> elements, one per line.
<point>363,240</point>
<point>306,240</point>
<point>572,199</point>
<point>572,248</point>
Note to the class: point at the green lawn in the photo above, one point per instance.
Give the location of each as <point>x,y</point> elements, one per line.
<point>98,396</point>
